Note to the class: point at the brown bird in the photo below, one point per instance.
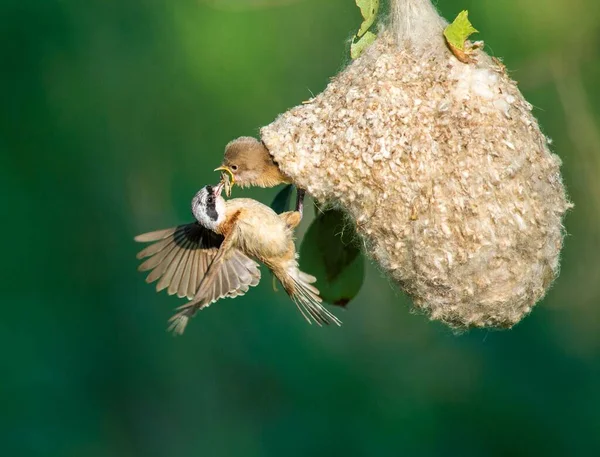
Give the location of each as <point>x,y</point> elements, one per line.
<point>247,162</point>
<point>212,258</point>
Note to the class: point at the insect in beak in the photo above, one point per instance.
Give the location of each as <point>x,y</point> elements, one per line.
<point>227,179</point>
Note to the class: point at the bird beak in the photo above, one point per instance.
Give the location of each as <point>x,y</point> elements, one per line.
<point>229,172</point>
<point>227,178</point>
<point>219,189</point>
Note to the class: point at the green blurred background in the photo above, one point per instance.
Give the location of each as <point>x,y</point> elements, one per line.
<point>113,114</point>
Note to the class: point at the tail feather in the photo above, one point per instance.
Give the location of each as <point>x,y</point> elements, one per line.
<point>307,299</point>
<point>306,277</point>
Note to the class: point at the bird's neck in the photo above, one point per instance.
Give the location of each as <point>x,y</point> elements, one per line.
<point>271,177</point>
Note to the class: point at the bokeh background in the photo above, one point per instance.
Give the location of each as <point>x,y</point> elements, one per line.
<point>113,114</point>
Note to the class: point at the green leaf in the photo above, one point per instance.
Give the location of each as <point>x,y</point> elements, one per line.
<point>356,48</point>
<point>281,202</point>
<point>368,10</point>
<point>457,33</point>
<point>331,253</point>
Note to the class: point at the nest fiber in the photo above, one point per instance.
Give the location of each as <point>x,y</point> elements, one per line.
<point>443,168</point>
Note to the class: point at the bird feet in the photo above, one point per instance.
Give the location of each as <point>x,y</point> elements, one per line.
<point>300,200</point>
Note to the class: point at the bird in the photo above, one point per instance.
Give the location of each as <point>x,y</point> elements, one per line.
<point>214,256</point>
<point>247,162</point>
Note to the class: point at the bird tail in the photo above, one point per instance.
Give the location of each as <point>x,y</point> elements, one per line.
<point>299,286</point>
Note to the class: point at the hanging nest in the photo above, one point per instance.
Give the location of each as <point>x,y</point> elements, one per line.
<point>443,168</point>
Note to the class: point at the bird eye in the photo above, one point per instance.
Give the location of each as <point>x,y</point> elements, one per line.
<point>210,199</point>
<point>234,167</point>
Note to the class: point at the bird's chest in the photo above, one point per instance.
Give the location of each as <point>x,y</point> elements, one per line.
<point>263,237</point>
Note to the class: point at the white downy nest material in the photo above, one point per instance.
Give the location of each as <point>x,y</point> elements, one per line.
<point>446,173</point>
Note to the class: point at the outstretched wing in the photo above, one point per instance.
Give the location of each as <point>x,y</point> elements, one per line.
<point>180,257</point>
<point>218,278</point>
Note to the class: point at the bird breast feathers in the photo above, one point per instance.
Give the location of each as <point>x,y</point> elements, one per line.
<point>260,230</point>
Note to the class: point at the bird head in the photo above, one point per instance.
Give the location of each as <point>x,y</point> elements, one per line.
<point>208,207</point>
<point>245,163</point>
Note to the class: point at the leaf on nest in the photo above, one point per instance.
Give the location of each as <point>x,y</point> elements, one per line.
<point>330,252</point>
<point>456,35</point>
<point>363,38</point>
<point>357,47</point>
<point>368,9</point>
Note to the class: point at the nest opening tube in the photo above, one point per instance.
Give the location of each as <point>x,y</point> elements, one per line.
<point>442,166</point>
<point>416,24</point>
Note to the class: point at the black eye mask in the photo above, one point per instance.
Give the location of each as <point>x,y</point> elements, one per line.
<point>211,210</point>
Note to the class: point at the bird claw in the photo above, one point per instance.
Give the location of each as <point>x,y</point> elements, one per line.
<point>300,201</point>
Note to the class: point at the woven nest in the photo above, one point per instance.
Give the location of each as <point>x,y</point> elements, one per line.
<point>446,173</point>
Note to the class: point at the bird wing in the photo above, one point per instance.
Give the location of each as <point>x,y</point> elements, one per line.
<point>228,276</point>
<point>181,258</point>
